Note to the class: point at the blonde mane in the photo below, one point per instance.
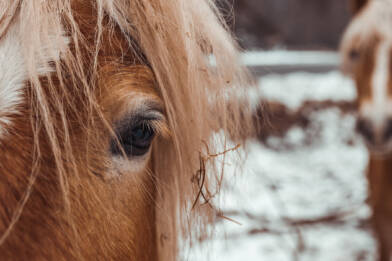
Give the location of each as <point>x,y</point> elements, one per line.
<point>176,39</point>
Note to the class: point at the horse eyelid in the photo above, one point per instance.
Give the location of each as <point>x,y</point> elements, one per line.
<point>151,117</point>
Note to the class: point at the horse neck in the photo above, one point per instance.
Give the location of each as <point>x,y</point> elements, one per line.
<point>380,180</point>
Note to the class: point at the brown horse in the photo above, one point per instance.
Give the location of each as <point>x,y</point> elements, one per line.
<point>367,51</point>
<point>107,108</point>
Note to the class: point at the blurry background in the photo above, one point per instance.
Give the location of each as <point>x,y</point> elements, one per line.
<point>302,195</point>
<point>293,24</point>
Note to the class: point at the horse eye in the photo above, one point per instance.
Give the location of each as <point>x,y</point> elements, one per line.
<point>354,54</point>
<point>134,139</point>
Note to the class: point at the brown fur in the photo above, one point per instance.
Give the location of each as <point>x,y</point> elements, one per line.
<point>380,184</point>
<point>62,195</point>
<point>112,220</point>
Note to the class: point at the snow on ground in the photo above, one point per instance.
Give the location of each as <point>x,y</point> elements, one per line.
<point>305,203</point>
<point>287,57</point>
<point>295,88</point>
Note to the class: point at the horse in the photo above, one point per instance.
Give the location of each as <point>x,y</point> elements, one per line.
<point>366,51</point>
<point>107,113</point>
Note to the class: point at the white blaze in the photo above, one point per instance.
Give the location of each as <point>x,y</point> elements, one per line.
<point>379,109</point>
<point>13,75</point>
<point>13,72</point>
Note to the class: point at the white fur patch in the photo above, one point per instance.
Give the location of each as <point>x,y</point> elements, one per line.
<point>379,109</point>
<point>14,74</point>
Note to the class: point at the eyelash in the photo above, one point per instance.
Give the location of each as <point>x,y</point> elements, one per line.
<point>133,138</point>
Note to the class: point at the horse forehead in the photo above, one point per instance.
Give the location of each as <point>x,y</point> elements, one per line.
<point>14,74</point>
<point>375,19</point>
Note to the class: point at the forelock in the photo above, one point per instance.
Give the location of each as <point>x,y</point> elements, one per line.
<point>376,17</point>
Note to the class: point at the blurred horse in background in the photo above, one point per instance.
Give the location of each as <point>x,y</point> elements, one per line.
<point>105,109</point>
<point>366,51</point>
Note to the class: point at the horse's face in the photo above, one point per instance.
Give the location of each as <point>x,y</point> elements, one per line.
<point>105,114</point>
<point>366,53</point>
<point>112,197</point>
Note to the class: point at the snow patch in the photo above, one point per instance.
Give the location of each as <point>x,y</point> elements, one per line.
<point>295,88</point>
